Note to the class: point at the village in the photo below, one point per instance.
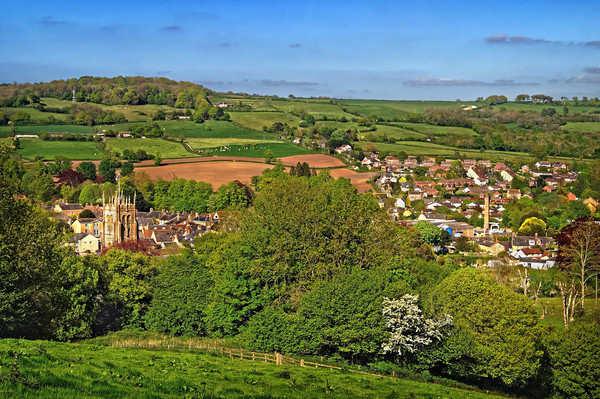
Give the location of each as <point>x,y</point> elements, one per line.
<point>478,193</point>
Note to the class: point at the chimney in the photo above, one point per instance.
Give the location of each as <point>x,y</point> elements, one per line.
<point>486,214</point>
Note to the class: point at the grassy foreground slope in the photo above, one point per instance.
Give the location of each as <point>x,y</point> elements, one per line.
<point>58,370</point>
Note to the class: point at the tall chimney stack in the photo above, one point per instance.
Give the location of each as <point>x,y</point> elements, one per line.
<point>486,214</point>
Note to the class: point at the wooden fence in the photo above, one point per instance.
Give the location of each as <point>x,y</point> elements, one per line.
<point>279,359</point>
<point>240,354</point>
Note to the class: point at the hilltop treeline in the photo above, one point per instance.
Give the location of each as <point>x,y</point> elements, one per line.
<point>108,91</point>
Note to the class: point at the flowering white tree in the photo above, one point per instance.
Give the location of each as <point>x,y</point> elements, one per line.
<point>409,330</point>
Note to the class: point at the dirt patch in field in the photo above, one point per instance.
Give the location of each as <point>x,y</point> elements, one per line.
<point>359,180</point>
<point>313,160</point>
<point>216,173</point>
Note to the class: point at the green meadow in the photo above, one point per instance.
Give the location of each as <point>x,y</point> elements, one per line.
<point>582,127</point>
<point>166,148</point>
<point>257,150</point>
<point>47,150</point>
<point>42,369</point>
<point>256,120</point>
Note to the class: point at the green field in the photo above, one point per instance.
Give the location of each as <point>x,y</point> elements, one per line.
<point>432,149</point>
<point>396,109</point>
<point>216,142</point>
<point>256,120</point>
<point>257,151</point>
<point>35,114</point>
<point>582,127</point>
<point>315,108</point>
<point>53,129</point>
<point>540,107</point>
<point>75,150</point>
<point>218,129</point>
<point>437,130</point>
<point>45,369</point>
<point>166,148</point>
<point>133,113</point>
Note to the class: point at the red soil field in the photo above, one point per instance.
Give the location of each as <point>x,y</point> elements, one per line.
<point>216,173</point>
<point>359,180</point>
<point>313,160</point>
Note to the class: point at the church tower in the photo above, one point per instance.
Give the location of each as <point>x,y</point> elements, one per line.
<point>119,222</point>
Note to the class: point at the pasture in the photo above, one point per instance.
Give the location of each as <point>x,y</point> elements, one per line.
<point>582,127</point>
<point>389,109</point>
<point>133,113</point>
<point>256,120</point>
<point>432,149</point>
<point>47,150</point>
<point>35,114</point>
<point>280,149</point>
<point>73,129</point>
<point>318,109</point>
<point>166,148</point>
<point>45,369</point>
<point>211,129</point>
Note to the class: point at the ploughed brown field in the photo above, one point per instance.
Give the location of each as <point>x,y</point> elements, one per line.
<point>216,173</point>
<point>222,170</point>
<point>313,160</point>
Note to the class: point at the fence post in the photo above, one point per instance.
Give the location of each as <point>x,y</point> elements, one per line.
<point>278,358</point>
<point>393,374</point>
<point>252,356</point>
<point>301,362</point>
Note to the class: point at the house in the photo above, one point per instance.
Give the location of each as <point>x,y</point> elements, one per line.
<point>491,246</point>
<point>415,195</point>
<point>469,163</point>
<point>410,162</point>
<point>499,167</point>
<point>542,164</point>
<point>390,160</point>
<point>559,165</point>
<point>508,174</point>
<point>424,183</point>
<point>513,193</point>
<point>458,229</point>
<point>86,243</point>
<point>571,196</point>
<point>68,210</point>
<point>477,175</point>
<point>343,148</point>
<point>88,226</point>
<point>400,203</point>
<point>428,163</point>
<point>521,242</point>
<point>484,163</point>
<point>527,253</point>
<point>446,165</point>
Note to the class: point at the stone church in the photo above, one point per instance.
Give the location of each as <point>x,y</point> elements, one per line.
<point>119,222</point>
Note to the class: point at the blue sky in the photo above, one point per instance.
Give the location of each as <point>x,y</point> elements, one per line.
<point>406,50</point>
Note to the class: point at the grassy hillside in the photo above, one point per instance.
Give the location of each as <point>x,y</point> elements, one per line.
<point>166,148</point>
<point>75,150</point>
<point>41,369</point>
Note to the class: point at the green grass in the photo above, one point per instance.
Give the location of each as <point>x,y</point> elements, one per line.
<point>53,129</point>
<point>257,151</point>
<point>554,310</point>
<point>315,108</point>
<point>582,127</point>
<point>396,109</point>
<point>60,370</point>
<point>5,131</point>
<point>437,130</point>
<point>540,107</point>
<point>133,113</point>
<point>49,149</point>
<point>432,149</point>
<point>166,148</point>
<point>35,114</point>
<point>256,120</point>
<point>218,129</point>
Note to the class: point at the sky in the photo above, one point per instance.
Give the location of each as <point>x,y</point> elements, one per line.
<point>397,50</point>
